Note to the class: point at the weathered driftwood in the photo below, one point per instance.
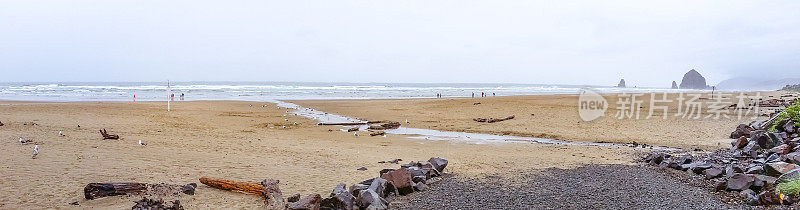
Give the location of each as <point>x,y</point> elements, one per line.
<point>108,136</point>
<point>268,189</point>
<point>351,123</point>
<point>391,125</point>
<point>352,129</point>
<point>99,190</point>
<point>768,123</point>
<point>379,133</point>
<point>492,120</point>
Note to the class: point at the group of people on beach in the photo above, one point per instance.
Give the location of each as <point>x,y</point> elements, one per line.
<point>483,94</point>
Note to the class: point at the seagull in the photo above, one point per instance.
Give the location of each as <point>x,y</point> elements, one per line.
<point>60,133</point>
<point>287,120</point>
<point>384,135</point>
<point>35,151</point>
<point>355,133</point>
<point>142,143</point>
<point>406,121</point>
<point>21,141</point>
<point>284,126</point>
<point>295,123</point>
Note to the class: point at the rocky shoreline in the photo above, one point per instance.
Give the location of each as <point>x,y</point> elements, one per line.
<point>763,155</point>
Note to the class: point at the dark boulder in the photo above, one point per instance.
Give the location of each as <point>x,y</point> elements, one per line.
<point>778,168</point>
<point>741,130</point>
<point>793,157</point>
<point>693,80</point>
<point>368,199</point>
<point>730,170</point>
<point>340,188</point>
<point>712,173</point>
<point>750,197</point>
<point>293,198</point>
<point>763,140</point>
<point>789,127</point>
<point>189,188</point>
<point>769,198</point>
<point>401,179</point>
<point>310,202</point>
<point>420,186</point>
<point>686,159</point>
<point>755,170</point>
<point>739,143</point>
<point>438,163</point>
<point>740,182</point>
<point>656,158</point>
<point>340,199</point>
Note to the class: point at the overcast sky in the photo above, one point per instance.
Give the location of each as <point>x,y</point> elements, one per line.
<point>648,43</point>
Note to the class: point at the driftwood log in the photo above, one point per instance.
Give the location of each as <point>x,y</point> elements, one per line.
<point>1,123</point>
<point>267,189</point>
<point>99,190</point>
<point>108,136</point>
<point>351,123</point>
<point>391,125</point>
<point>379,133</point>
<point>492,120</point>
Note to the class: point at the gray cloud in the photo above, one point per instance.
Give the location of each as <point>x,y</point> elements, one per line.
<point>592,42</point>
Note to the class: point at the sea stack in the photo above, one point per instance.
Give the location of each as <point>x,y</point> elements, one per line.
<point>674,85</point>
<point>621,83</point>
<point>693,80</point>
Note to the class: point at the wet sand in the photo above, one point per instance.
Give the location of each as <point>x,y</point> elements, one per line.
<point>547,116</point>
<point>235,140</point>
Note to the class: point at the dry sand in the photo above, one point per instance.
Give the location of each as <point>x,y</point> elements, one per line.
<point>245,141</point>
<point>546,116</point>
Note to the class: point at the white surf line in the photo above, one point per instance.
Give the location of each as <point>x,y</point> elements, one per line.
<point>429,134</point>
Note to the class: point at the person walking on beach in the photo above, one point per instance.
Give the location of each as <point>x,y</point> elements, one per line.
<point>181,96</point>
<point>473,94</point>
<point>493,95</point>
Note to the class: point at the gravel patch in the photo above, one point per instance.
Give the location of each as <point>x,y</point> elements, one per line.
<point>586,187</point>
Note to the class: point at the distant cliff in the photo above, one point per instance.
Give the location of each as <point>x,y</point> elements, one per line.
<point>621,83</point>
<point>693,80</point>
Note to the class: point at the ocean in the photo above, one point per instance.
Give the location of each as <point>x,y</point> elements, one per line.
<point>269,91</point>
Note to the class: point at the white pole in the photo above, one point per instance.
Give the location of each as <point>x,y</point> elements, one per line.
<point>168,95</point>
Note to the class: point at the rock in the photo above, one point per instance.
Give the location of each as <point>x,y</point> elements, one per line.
<point>696,167</point>
<point>686,159</point>
<point>368,199</point>
<point>382,187</point>
<point>273,198</point>
<point>773,157</point>
<point>387,170</point>
<point>763,140</point>
<point>778,168</point>
<point>340,188</point>
<point>621,83</point>
<point>759,181</point>
<point>419,186</point>
<point>189,188</point>
<point>656,158</point>
<point>310,202</point>
<point>739,143</point>
<point>340,199</point>
<point>730,170</point>
<point>789,127</point>
<point>147,204</point>
<point>712,173</point>
<point>357,188</point>
<point>693,80</point>
<point>293,198</point>
<point>755,170</point>
<point>438,163</point>
<point>739,182</point>
<point>362,169</point>
<point>401,179</point>
<point>720,185</point>
<point>750,197</point>
<point>793,174</point>
<point>793,157</point>
<point>769,198</point>
<point>674,85</point>
<point>741,130</point>
<point>751,149</point>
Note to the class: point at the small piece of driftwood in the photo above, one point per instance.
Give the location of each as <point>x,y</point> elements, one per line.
<point>99,190</point>
<point>379,133</point>
<point>391,125</point>
<point>108,136</point>
<point>492,120</point>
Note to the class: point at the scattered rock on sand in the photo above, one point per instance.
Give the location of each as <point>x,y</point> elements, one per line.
<point>401,179</point>
<point>293,198</point>
<point>368,199</point>
<point>740,182</point>
<point>310,202</point>
<point>150,204</point>
<point>438,163</point>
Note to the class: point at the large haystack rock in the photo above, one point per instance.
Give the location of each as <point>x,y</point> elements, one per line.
<point>693,80</point>
<point>621,83</point>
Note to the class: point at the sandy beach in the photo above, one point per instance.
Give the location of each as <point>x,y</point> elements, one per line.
<point>242,141</point>
<point>547,116</point>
